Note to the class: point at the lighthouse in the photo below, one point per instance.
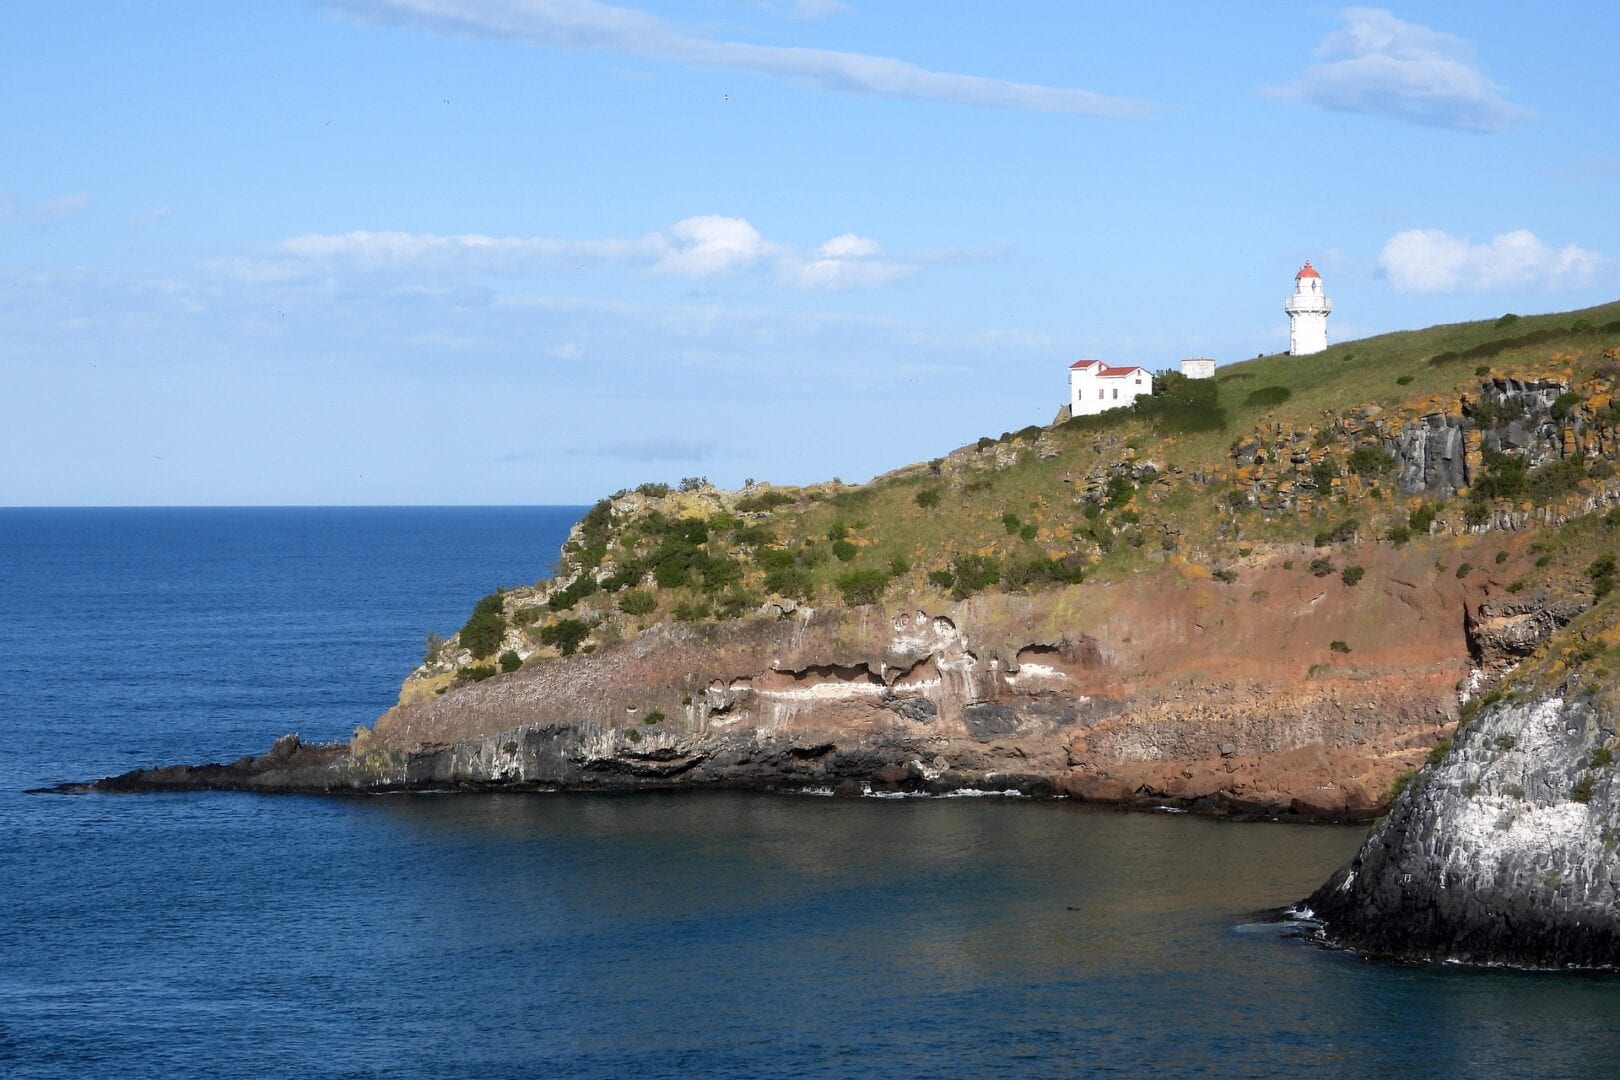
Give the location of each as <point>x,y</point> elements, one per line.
<point>1307,313</point>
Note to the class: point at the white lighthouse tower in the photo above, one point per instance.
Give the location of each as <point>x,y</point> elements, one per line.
<point>1307,313</point>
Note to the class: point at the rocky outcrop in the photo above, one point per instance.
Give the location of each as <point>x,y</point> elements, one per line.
<point>1502,853</point>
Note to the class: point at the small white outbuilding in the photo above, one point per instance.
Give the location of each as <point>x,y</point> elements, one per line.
<point>1202,368</point>
<point>1095,387</point>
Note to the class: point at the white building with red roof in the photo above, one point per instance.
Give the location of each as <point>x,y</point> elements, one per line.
<point>1095,386</point>
<point>1308,311</point>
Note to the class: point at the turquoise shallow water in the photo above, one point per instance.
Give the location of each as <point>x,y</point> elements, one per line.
<point>727,934</point>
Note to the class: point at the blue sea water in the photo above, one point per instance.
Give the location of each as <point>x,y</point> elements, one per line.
<point>649,935</point>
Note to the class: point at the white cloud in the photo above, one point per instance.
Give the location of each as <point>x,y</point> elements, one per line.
<point>154,215</point>
<point>1381,65</point>
<point>710,245</point>
<point>590,26</point>
<point>1432,261</point>
<point>701,247</point>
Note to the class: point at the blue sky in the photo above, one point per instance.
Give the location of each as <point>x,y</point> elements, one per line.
<point>531,251</point>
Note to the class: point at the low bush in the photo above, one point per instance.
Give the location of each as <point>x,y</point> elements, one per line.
<point>1338,646</point>
<point>565,634</point>
<point>862,586</point>
<point>638,602</point>
<point>764,501</point>
<point>1352,574</point>
<point>484,630</point>
<point>510,661</point>
<point>973,573</point>
<point>476,672</point>
<point>927,498</point>
<point>1369,460</point>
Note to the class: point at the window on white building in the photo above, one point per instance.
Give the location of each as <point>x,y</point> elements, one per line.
<point>1116,395</point>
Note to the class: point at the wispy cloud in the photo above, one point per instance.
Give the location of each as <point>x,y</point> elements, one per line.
<point>154,215</point>
<point>656,448</point>
<point>702,247</point>
<point>590,26</point>
<point>45,211</point>
<point>1381,65</point>
<point>1432,261</point>
<point>806,10</point>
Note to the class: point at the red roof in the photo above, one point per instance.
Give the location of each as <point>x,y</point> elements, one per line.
<point>1306,271</point>
<point>1103,370</point>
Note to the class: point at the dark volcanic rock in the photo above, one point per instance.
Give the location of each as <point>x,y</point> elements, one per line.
<point>1503,853</point>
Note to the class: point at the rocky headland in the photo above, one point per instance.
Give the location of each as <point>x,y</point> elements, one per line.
<point>1388,585</point>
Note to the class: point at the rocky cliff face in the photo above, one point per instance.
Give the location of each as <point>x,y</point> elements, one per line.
<point>1502,853</point>
<point>1158,689</point>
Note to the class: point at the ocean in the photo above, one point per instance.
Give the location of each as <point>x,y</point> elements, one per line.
<point>672,934</point>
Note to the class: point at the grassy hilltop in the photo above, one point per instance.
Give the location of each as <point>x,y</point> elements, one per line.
<point>1277,460</point>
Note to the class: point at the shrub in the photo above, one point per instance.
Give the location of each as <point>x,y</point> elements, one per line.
<point>973,573</point>
<point>1224,575</point>
<point>652,490</point>
<point>1027,531</point>
<point>582,586</point>
<point>652,718</point>
<point>432,647</point>
<point>1422,519</point>
<point>1583,789</point>
<point>764,501</point>
<point>476,672</point>
<point>1555,479</point>
<point>1370,460</point>
<point>638,602</point>
<point>1405,380</point>
<point>1439,750</point>
<point>1321,567</point>
<point>1401,782</point>
<point>941,578</point>
<point>1338,646</point>
<point>1399,534</point>
<point>1516,585</point>
<point>844,550</point>
<point>510,661</point>
<point>1464,569</point>
<point>1600,757</point>
<point>1036,572</point>
<point>1010,522</point>
<point>1543,562</point>
<point>1267,396</point>
<point>1120,490</point>
<point>1564,404</point>
<point>1483,369</point>
<point>863,586</point>
<point>565,634</point>
<point>789,580</point>
<point>1180,405</point>
<point>1506,320</point>
<point>695,610</point>
<point>1352,574</point>
<point>899,565</point>
<point>487,626</point>
<point>694,483</point>
<point>1505,742</point>
<point>718,572</point>
<point>754,535</point>
<point>927,498</point>
<point>1323,472</point>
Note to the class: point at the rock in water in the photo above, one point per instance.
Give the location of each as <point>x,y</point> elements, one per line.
<point>1502,853</point>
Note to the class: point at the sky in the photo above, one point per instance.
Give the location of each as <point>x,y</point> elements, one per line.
<point>402,252</point>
